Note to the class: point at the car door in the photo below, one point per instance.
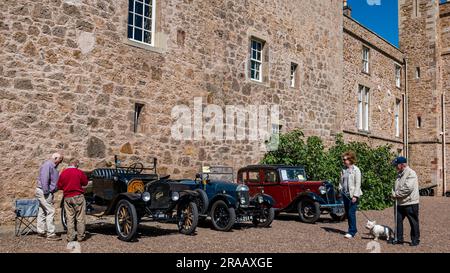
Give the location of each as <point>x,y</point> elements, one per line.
<point>279,191</point>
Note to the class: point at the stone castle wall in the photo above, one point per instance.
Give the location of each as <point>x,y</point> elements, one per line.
<point>70,79</point>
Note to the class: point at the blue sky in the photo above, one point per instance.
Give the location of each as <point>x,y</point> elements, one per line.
<point>380,16</point>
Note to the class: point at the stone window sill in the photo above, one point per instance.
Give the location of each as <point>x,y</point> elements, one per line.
<point>259,82</point>
<point>364,132</point>
<point>144,46</point>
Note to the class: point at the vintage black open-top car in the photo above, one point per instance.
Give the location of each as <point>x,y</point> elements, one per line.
<point>135,194</point>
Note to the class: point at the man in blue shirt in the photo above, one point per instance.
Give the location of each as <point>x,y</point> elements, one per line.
<point>46,187</point>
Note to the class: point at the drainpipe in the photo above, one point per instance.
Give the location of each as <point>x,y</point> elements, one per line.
<point>444,153</point>
<point>405,111</point>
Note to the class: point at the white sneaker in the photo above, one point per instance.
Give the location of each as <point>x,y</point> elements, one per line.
<point>348,236</point>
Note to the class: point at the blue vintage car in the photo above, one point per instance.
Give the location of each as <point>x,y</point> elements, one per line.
<point>228,203</point>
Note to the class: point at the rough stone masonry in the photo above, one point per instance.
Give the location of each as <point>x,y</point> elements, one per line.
<point>70,80</point>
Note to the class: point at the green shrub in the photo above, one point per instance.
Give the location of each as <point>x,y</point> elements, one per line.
<point>378,175</point>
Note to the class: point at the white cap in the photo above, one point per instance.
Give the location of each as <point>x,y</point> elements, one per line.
<point>56,156</point>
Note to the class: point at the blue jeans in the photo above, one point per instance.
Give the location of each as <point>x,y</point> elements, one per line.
<point>350,211</point>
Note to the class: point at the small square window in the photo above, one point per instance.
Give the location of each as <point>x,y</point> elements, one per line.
<point>293,75</point>
<point>138,107</point>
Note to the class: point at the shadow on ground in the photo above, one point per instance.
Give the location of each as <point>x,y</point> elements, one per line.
<point>143,230</point>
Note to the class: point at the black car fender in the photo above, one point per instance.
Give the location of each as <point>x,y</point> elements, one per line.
<point>134,198</point>
<point>267,199</point>
<point>228,199</point>
<point>188,195</point>
<point>310,195</point>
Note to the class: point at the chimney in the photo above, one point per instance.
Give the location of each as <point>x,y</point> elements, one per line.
<point>347,9</point>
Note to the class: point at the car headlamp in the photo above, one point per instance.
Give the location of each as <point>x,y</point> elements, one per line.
<point>175,196</point>
<point>243,200</point>
<point>242,187</point>
<point>322,190</point>
<point>260,199</point>
<point>145,196</point>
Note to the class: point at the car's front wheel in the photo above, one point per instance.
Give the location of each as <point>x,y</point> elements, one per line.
<point>222,216</point>
<point>309,211</point>
<point>126,220</point>
<point>187,218</point>
<point>265,217</point>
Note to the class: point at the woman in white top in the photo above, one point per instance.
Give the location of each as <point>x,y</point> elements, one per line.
<point>350,188</point>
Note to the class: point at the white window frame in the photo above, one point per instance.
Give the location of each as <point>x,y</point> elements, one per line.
<point>363,108</point>
<point>256,63</point>
<point>398,75</point>
<point>397,117</point>
<point>366,59</point>
<point>417,72</point>
<point>151,31</point>
<point>293,75</point>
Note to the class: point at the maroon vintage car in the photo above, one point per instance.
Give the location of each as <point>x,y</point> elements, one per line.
<point>292,192</point>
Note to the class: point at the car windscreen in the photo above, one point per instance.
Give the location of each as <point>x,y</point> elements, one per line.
<point>293,174</point>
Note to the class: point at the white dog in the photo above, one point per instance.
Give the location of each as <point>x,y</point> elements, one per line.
<point>380,231</point>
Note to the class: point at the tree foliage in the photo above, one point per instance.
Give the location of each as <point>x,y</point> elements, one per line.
<point>378,175</point>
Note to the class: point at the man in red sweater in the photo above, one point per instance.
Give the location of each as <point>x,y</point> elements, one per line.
<point>71,182</point>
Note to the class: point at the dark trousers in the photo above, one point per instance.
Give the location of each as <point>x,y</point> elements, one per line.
<point>412,213</point>
<point>350,211</point>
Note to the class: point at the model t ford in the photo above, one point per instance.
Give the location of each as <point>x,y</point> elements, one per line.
<point>134,194</point>
<point>227,202</point>
<point>292,192</point>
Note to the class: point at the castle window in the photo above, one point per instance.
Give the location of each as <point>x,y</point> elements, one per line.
<point>256,64</point>
<point>416,8</point>
<point>397,117</point>
<point>141,21</point>
<point>293,75</point>
<point>137,116</point>
<point>398,75</point>
<point>419,122</point>
<point>365,59</point>
<point>417,72</point>
<point>363,108</point>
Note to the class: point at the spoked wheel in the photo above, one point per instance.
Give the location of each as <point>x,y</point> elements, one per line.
<point>126,220</point>
<point>187,218</point>
<point>264,217</point>
<point>222,216</point>
<point>309,211</point>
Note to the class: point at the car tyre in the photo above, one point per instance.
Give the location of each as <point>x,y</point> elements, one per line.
<point>187,218</point>
<point>222,216</point>
<point>126,220</point>
<point>202,202</point>
<point>265,218</point>
<point>308,210</point>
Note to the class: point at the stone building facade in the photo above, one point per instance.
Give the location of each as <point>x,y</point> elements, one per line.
<point>71,80</point>
<point>373,71</point>
<point>99,78</point>
<point>424,39</point>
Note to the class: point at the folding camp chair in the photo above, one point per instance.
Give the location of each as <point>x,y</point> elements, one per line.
<point>26,215</point>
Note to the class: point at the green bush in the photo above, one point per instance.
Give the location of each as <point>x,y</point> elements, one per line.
<point>378,175</point>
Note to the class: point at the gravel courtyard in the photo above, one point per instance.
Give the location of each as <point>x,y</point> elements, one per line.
<point>287,234</point>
